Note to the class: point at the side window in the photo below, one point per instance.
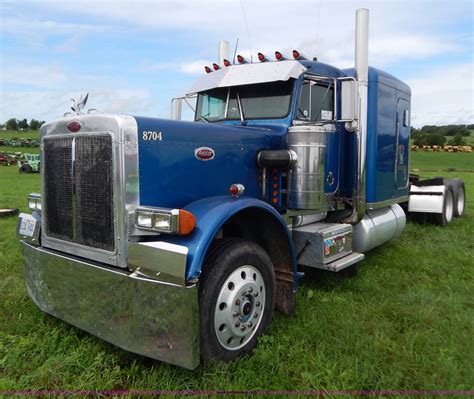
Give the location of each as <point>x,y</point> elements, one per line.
<point>316,101</point>
<point>304,105</point>
<point>322,102</point>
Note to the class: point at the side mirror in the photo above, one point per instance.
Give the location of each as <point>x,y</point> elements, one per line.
<point>348,100</point>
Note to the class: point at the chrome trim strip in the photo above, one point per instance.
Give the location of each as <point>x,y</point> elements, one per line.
<point>383,204</point>
<point>154,319</point>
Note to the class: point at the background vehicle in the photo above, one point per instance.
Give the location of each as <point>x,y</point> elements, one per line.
<point>29,163</point>
<point>176,240</point>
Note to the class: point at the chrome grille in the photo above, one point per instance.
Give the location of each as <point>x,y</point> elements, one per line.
<point>78,182</point>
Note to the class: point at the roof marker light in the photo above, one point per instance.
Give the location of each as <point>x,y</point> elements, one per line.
<point>216,66</point>
<point>261,57</point>
<point>226,62</point>
<point>279,56</point>
<point>298,56</point>
<point>207,69</point>
<point>242,60</point>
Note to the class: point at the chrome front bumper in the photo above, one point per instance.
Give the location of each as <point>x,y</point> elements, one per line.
<point>151,318</point>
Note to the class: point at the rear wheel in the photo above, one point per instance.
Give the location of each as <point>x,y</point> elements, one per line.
<point>459,194</point>
<point>236,298</point>
<point>442,219</point>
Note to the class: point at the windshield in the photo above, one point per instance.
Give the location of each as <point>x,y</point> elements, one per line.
<point>259,101</point>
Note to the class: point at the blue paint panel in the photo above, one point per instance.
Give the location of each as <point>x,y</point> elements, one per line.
<point>211,214</point>
<point>170,174</point>
<point>387,138</point>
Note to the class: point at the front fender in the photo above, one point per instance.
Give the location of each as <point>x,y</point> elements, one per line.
<point>211,214</point>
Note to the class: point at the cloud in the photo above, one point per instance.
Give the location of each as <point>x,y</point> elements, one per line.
<point>438,100</point>
<point>50,105</point>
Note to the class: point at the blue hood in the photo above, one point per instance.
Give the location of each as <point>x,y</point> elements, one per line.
<point>170,174</point>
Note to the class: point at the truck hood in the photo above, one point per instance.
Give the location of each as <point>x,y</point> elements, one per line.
<point>182,162</point>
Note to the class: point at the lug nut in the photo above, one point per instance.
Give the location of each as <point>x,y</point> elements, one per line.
<point>250,290</point>
<point>255,314</point>
<point>255,294</point>
<point>235,314</point>
<point>242,327</point>
<point>250,324</point>
<point>237,323</point>
<point>243,293</point>
<point>237,302</point>
<point>257,304</point>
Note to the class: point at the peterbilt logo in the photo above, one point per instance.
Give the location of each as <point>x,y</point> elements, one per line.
<point>204,153</point>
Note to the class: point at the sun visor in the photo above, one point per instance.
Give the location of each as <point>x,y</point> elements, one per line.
<point>246,74</point>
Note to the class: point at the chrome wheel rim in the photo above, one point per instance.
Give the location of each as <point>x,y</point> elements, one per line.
<point>449,206</point>
<point>239,307</point>
<point>460,205</point>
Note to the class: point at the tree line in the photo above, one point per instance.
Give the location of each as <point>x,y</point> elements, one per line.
<point>438,135</point>
<point>22,124</point>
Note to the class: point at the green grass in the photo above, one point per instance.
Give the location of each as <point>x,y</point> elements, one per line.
<point>404,322</point>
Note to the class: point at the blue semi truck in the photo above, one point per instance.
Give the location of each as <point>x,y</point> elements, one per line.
<point>177,240</point>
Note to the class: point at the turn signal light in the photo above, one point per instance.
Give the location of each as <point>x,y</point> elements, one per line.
<point>261,57</point>
<point>226,62</point>
<point>216,67</point>
<point>207,69</point>
<point>187,222</point>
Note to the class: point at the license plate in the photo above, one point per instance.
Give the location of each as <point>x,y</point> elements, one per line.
<point>27,226</point>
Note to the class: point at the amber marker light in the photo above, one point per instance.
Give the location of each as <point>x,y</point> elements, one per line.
<point>187,222</point>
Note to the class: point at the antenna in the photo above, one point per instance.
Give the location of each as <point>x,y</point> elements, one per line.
<point>235,51</point>
<point>317,27</point>
<point>246,25</point>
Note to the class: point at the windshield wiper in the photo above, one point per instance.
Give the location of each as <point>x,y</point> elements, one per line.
<point>241,111</point>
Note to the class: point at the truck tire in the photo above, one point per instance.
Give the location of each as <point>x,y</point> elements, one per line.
<point>459,193</point>
<point>442,219</point>
<point>236,298</point>
<point>25,168</point>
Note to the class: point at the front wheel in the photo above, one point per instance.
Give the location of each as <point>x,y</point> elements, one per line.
<point>237,298</point>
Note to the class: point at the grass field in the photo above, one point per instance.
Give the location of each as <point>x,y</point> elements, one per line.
<point>405,322</point>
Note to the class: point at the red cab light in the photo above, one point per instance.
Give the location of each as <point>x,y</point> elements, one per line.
<point>240,59</point>
<point>298,56</point>
<point>236,190</point>
<point>261,57</point>
<point>73,126</point>
<point>207,69</point>
<point>226,62</point>
<point>216,67</point>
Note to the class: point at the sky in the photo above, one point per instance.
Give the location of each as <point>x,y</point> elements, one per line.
<point>133,57</point>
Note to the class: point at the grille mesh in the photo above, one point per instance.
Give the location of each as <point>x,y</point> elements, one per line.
<point>79,208</point>
<point>93,166</point>
<point>57,165</point>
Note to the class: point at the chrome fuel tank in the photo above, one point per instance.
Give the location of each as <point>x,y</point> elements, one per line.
<point>307,180</point>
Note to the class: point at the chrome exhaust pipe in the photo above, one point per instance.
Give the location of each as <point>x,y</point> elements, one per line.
<point>362,76</point>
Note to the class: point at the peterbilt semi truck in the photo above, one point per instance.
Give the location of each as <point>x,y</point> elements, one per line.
<point>177,240</point>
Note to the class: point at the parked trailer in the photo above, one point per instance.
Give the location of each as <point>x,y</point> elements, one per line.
<point>177,240</point>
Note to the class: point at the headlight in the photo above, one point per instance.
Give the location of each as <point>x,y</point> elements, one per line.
<point>162,221</point>
<point>34,202</point>
<point>144,219</point>
<point>171,221</point>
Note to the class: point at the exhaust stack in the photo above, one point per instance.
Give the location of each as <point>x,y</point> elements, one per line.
<point>362,76</point>
<point>223,51</point>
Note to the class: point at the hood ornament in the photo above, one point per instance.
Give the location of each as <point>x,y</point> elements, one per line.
<point>81,103</point>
